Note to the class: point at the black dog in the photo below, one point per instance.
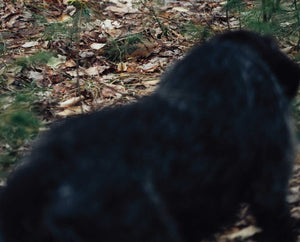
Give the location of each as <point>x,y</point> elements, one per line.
<point>174,166</point>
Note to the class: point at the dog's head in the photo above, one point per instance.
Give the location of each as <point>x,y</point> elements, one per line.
<point>286,71</point>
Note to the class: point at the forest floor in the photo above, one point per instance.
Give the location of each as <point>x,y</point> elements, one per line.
<point>80,58</point>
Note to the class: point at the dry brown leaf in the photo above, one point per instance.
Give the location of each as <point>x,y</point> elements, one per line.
<point>73,111</point>
<point>70,63</point>
<point>180,9</point>
<point>10,24</point>
<point>86,54</point>
<point>287,50</point>
<point>60,19</point>
<point>150,67</point>
<point>70,102</point>
<point>111,90</point>
<point>69,112</point>
<point>107,92</point>
<point>97,46</point>
<point>295,212</point>
<point>35,76</point>
<point>120,11</point>
<point>110,24</point>
<point>74,73</point>
<point>59,89</point>
<point>30,44</point>
<point>132,67</point>
<point>144,49</point>
<point>151,83</point>
<point>121,67</point>
<point>294,195</point>
<point>92,71</point>
<point>242,234</point>
<point>96,70</point>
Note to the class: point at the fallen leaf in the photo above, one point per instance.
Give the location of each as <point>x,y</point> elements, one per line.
<point>60,19</point>
<point>295,212</point>
<point>92,71</point>
<point>287,49</point>
<point>70,102</point>
<point>243,233</point>
<point>143,50</point>
<point>121,67</point>
<point>96,70</point>
<point>74,73</point>
<point>97,46</point>
<point>30,44</point>
<point>70,63</point>
<point>58,89</point>
<point>73,111</point>
<point>151,83</point>
<point>110,90</point>
<point>55,62</point>
<point>150,67</point>
<point>120,10</point>
<point>180,9</point>
<point>109,24</point>
<point>35,76</point>
<point>86,54</point>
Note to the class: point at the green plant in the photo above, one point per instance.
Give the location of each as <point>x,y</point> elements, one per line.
<point>279,18</point>
<point>235,7</point>
<point>19,124</point>
<point>56,30</point>
<point>119,49</point>
<point>79,4</point>
<point>2,48</point>
<point>2,80</point>
<point>191,30</point>
<point>154,14</point>
<point>39,58</point>
<point>269,7</point>
<point>296,114</point>
<point>297,17</point>
<point>195,32</point>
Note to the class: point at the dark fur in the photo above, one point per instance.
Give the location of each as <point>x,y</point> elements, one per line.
<point>174,166</point>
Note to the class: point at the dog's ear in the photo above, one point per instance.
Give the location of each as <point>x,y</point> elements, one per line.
<point>286,70</point>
